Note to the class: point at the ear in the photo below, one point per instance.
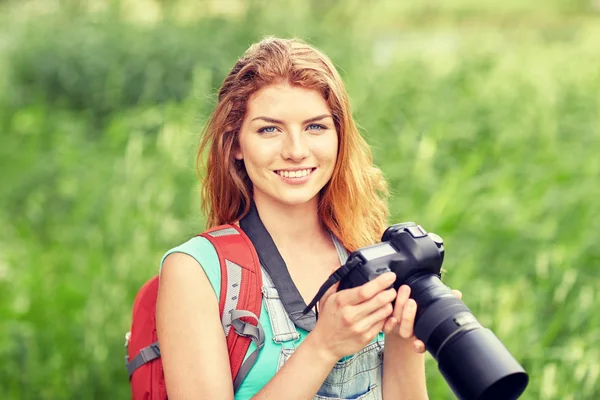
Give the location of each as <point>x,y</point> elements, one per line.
<point>238,154</point>
<point>237,150</point>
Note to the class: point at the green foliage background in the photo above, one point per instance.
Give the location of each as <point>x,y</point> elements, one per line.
<point>484,116</point>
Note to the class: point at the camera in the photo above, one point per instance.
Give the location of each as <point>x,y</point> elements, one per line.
<point>476,365</point>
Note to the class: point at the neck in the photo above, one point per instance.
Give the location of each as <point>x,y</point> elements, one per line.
<point>291,226</point>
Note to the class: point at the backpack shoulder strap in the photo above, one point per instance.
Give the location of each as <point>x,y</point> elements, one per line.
<point>240,298</point>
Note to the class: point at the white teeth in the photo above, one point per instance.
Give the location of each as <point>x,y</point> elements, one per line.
<point>295,174</point>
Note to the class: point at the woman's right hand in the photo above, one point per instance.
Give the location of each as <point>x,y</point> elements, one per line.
<point>350,319</point>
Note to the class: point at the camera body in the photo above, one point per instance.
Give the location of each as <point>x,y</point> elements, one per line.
<point>406,249</point>
<point>471,358</point>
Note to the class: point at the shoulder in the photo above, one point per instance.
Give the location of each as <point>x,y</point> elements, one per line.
<point>198,248</point>
<point>195,255</point>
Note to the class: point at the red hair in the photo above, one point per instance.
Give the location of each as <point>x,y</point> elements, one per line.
<point>352,205</point>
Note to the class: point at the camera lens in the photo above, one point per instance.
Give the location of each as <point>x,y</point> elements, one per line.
<point>471,358</point>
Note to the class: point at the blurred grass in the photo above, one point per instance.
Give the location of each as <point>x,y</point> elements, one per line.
<point>483,116</point>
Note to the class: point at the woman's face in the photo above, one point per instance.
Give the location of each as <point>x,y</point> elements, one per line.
<point>288,143</point>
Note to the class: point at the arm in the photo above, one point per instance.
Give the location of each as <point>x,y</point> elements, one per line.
<point>187,309</point>
<point>294,373</point>
<point>403,370</point>
<point>403,361</point>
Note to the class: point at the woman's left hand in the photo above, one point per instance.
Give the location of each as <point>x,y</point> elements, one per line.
<point>402,320</point>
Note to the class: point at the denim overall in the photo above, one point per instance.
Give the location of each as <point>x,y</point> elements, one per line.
<point>354,377</point>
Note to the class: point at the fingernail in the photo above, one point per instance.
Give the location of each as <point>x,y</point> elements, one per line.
<point>412,305</point>
<point>390,276</point>
<point>404,290</point>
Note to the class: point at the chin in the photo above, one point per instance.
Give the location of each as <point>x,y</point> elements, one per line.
<point>296,199</point>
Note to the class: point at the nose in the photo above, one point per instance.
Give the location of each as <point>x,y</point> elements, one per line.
<point>295,147</point>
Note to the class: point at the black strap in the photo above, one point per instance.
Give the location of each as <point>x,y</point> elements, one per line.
<point>147,354</point>
<point>275,266</point>
<point>332,280</point>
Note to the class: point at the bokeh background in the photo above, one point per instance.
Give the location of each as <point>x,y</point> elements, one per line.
<point>484,117</point>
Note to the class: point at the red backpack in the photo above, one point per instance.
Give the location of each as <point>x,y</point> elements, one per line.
<point>240,302</point>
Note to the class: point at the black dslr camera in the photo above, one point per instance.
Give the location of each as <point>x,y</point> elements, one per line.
<point>470,357</point>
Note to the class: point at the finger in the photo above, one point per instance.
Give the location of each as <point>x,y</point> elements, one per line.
<point>419,346</point>
<point>457,293</point>
<point>389,325</point>
<point>401,299</point>
<point>379,300</point>
<point>408,319</point>
<point>365,292</point>
<point>373,331</point>
<point>376,317</point>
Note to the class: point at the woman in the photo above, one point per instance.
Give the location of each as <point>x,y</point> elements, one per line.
<point>282,142</point>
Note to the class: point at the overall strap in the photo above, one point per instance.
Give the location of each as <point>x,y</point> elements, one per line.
<point>342,252</point>
<point>283,328</point>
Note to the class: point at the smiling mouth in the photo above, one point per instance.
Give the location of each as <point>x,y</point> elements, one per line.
<point>300,173</point>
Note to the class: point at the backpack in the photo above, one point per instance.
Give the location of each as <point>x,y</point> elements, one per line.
<point>240,302</point>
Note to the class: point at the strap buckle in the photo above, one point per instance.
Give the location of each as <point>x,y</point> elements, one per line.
<point>152,354</point>
<point>254,332</point>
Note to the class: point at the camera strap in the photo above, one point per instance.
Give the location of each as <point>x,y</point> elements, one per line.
<point>334,278</point>
<point>273,263</point>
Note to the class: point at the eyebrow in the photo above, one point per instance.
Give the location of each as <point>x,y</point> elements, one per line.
<point>276,121</point>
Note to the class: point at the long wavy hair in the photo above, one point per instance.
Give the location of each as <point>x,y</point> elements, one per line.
<point>353,204</point>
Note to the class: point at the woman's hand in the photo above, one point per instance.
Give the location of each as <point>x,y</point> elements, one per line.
<point>402,320</point>
<point>350,319</point>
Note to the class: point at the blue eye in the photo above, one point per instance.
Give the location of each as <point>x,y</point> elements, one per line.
<point>316,127</point>
<point>267,129</point>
